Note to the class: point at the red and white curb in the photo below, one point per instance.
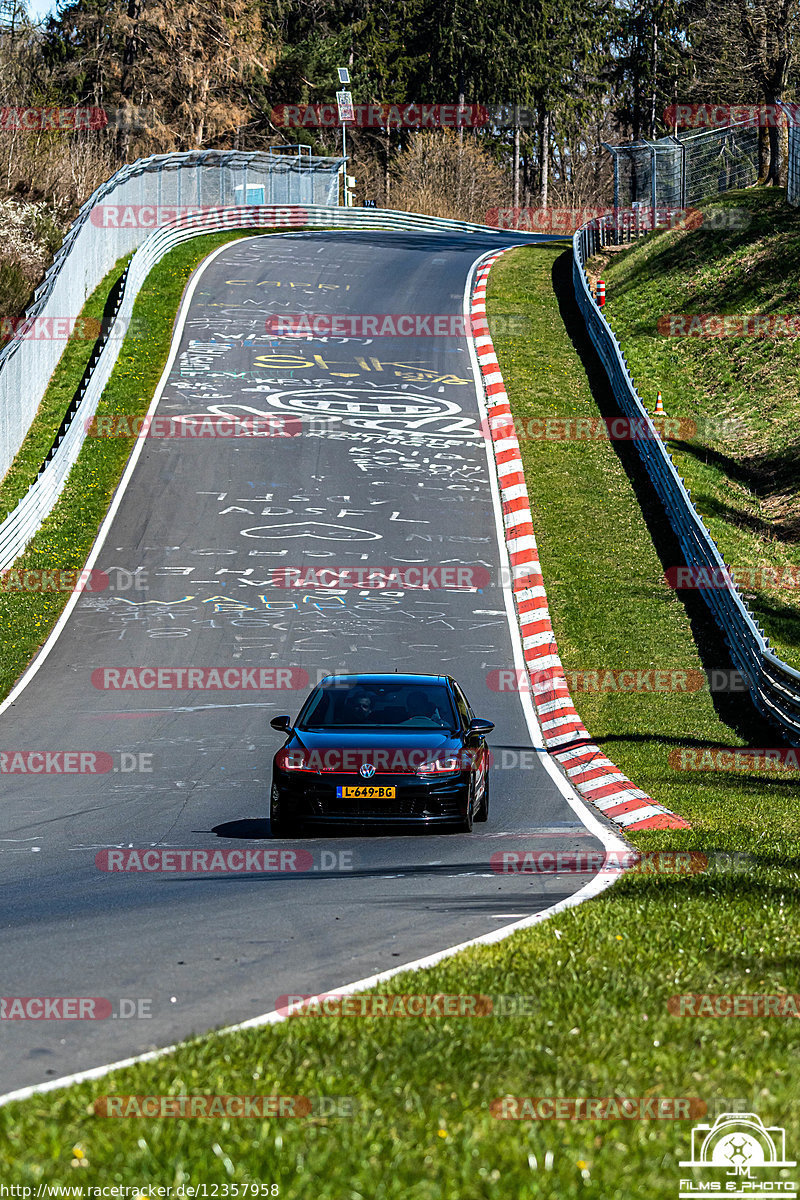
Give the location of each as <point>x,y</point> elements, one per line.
<point>596,778</point>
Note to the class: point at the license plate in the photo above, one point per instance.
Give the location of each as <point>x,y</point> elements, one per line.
<point>365,793</point>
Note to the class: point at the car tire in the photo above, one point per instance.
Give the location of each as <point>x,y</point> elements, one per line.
<point>483,812</point>
<point>279,824</point>
<point>466,823</point>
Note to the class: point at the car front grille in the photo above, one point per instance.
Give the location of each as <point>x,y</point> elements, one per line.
<point>404,806</point>
<point>440,800</point>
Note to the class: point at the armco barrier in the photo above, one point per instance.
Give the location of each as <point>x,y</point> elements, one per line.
<point>20,525</point>
<point>91,247</point>
<point>774,685</point>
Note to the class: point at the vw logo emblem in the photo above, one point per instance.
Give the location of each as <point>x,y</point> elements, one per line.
<point>366,770</point>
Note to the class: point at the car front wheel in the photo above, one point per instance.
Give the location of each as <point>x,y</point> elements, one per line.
<point>466,823</point>
<point>280,825</point>
<point>483,812</point>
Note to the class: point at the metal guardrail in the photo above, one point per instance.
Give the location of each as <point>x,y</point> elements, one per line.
<point>773,684</point>
<point>19,527</point>
<point>116,219</point>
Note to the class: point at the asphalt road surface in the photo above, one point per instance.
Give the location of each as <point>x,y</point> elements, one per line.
<point>390,469</point>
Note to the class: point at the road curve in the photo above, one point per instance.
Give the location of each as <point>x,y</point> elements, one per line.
<point>390,469</point>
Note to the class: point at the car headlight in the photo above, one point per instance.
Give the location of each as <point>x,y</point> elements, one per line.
<point>441,766</point>
<point>294,760</point>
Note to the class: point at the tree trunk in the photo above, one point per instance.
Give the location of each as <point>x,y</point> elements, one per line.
<point>773,92</point>
<point>515,165</point>
<point>655,82</point>
<point>641,54</point>
<point>544,155</point>
<point>386,162</point>
<point>763,154</point>
<point>527,183</point>
<point>129,56</point>
<point>775,142</point>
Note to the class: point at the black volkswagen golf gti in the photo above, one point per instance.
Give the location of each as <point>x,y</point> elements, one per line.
<point>398,749</point>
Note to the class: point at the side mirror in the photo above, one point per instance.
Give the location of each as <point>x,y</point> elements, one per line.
<point>479,726</point>
<point>283,723</point>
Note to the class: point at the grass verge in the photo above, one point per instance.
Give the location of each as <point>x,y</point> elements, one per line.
<point>60,390</point>
<point>600,975</point>
<point>742,392</point>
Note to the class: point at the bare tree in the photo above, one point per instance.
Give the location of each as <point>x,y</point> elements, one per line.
<point>435,175</point>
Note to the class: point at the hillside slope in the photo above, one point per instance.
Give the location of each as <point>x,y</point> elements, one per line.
<point>742,392</point>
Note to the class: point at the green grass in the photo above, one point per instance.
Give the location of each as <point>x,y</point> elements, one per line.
<point>601,974</point>
<point>603,574</point>
<point>60,390</point>
<point>422,1089</point>
<point>743,393</point>
<point>64,541</point>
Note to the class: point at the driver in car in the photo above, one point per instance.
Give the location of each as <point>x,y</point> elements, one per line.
<point>421,711</point>
<point>359,707</point>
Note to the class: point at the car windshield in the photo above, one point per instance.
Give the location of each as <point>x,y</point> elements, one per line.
<point>379,706</point>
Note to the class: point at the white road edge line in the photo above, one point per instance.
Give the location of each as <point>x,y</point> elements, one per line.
<point>607,837</point>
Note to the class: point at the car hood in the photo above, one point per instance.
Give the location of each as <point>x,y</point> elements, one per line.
<point>370,739</point>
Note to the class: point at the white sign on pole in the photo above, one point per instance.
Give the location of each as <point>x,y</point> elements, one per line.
<point>344,101</point>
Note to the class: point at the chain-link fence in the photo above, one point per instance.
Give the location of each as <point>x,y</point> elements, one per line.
<point>719,160</point>
<point>676,172</point>
<point>793,162</point>
<point>648,173</point>
<point>139,198</point>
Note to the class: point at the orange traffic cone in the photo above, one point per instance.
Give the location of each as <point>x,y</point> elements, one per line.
<point>659,406</point>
